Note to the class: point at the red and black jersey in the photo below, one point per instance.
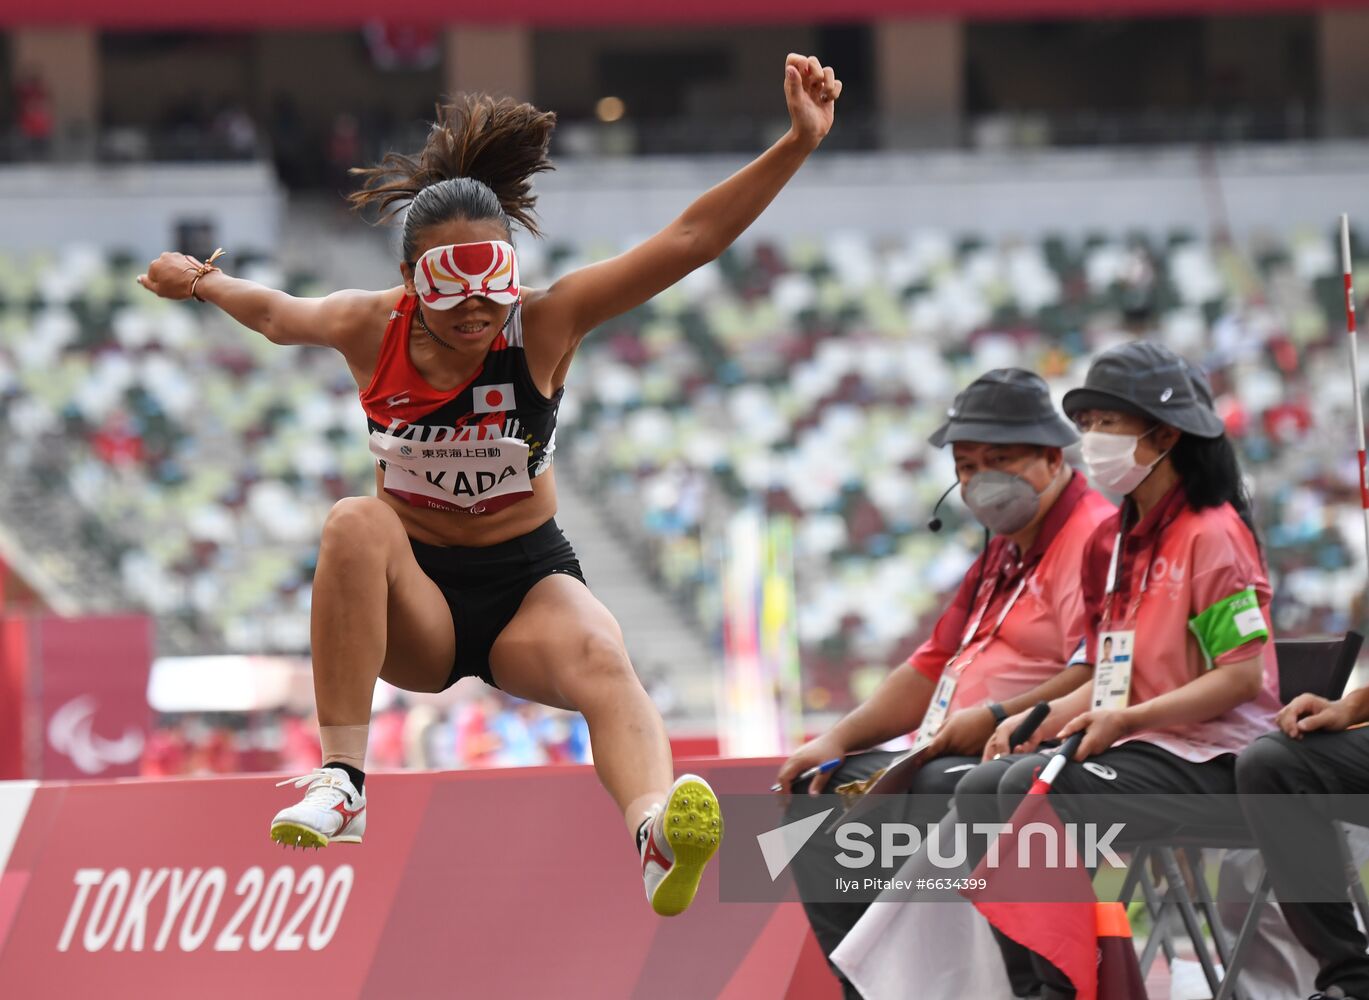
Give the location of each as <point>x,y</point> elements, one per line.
<point>475,448</point>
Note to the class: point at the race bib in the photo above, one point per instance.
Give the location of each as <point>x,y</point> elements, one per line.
<point>1112,670</point>
<point>935,715</point>
<point>477,477</point>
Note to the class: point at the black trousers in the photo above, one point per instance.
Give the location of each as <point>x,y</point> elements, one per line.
<point>1152,791</point>
<point>1301,845</point>
<point>815,868</point>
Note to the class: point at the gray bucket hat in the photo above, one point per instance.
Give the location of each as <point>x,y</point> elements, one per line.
<point>1150,380</point>
<point>1005,406</point>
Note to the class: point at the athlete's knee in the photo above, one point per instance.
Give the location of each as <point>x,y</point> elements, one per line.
<point>600,663</point>
<point>358,528</point>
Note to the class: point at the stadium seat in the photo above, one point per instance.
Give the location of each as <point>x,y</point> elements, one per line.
<point>803,376</point>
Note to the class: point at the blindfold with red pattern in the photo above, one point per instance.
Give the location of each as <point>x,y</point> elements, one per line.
<point>447,276</point>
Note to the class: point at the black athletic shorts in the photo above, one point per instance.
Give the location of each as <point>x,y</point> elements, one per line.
<point>484,588</point>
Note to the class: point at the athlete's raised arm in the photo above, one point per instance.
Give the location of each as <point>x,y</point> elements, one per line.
<point>330,321</point>
<point>587,297</point>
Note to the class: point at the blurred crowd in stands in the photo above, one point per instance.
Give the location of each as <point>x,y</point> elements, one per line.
<point>486,729</point>
<point>803,379</point>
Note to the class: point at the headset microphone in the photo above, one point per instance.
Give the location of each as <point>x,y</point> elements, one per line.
<point>935,523</point>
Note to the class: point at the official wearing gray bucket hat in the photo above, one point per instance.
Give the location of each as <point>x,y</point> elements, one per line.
<point>1006,409</point>
<point>1177,633</point>
<point>1147,380</point>
<point>1003,644</point>
<point>1005,406</point>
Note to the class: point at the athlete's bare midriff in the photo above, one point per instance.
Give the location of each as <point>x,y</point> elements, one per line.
<point>444,527</point>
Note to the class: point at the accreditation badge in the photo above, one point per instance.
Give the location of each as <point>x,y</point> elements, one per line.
<point>935,716</point>
<point>1112,670</point>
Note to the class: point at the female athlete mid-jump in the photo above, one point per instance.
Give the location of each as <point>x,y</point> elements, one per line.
<point>456,567</point>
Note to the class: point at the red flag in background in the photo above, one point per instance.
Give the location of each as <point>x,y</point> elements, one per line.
<point>1049,910</point>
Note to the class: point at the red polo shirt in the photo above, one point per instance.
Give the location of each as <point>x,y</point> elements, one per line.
<point>1046,623</point>
<point>1205,603</point>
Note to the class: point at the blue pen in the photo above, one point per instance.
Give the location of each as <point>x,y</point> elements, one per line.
<point>823,768</point>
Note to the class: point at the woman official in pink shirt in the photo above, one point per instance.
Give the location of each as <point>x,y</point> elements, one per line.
<point>1177,622</point>
<point>1002,645</point>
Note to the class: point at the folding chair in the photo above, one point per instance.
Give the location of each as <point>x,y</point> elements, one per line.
<point>1316,666</point>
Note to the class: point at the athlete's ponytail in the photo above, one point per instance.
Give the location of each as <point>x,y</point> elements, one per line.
<point>478,163</point>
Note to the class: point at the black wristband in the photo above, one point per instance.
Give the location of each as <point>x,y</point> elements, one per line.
<point>998,712</point>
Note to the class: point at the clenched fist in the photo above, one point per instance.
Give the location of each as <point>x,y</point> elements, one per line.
<point>172,275</point>
<point>810,90</point>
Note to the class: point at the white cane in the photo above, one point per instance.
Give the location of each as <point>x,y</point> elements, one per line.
<point>1354,374</point>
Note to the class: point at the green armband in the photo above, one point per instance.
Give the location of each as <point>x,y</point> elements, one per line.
<point>1229,624</point>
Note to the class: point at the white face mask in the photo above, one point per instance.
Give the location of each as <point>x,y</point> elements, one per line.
<point>1112,460</point>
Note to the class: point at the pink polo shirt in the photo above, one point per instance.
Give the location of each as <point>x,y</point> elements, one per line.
<point>1047,621</point>
<point>1205,603</point>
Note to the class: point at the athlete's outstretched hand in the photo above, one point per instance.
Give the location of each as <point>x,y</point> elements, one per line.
<point>171,275</point>
<point>811,90</point>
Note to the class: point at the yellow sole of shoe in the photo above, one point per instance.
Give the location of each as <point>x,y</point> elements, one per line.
<point>694,829</point>
<point>294,835</point>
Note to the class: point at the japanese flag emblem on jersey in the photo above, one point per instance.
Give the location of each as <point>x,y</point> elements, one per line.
<point>494,398</point>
